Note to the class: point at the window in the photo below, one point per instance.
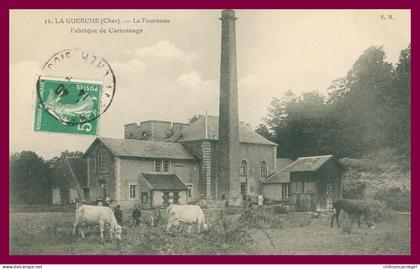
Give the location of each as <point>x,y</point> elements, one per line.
<point>158,166</point>
<point>102,160</point>
<point>190,190</point>
<point>285,191</point>
<point>244,168</point>
<point>144,197</point>
<point>162,166</point>
<point>132,191</point>
<point>166,166</point>
<point>264,169</point>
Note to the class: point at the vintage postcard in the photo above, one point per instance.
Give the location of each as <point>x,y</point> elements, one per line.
<point>210,132</point>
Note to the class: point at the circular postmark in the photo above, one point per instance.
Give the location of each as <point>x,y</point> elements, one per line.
<point>76,87</point>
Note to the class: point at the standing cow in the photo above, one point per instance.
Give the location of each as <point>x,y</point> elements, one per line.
<point>188,214</point>
<point>354,208</point>
<point>97,215</point>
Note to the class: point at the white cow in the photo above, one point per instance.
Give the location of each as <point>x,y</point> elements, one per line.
<point>188,214</point>
<point>97,215</point>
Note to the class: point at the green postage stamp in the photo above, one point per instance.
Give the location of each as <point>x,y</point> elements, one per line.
<point>67,105</point>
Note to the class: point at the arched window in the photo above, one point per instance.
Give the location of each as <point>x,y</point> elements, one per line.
<point>102,160</point>
<point>244,168</point>
<point>264,169</point>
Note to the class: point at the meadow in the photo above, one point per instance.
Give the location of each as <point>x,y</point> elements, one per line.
<point>48,231</point>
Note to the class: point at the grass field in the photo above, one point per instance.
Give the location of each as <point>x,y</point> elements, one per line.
<point>47,231</point>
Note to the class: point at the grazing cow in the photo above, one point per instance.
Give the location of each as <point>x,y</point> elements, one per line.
<point>354,208</point>
<point>188,214</point>
<point>97,215</point>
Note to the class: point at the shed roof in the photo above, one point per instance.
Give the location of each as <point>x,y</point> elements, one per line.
<point>164,181</point>
<point>280,177</point>
<point>197,131</point>
<point>144,148</point>
<point>283,162</point>
<point>312,163</point>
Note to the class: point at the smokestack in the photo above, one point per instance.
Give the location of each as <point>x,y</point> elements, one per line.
<point>228,144</point>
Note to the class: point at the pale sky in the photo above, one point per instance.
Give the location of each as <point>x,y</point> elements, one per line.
<point>171,71</point>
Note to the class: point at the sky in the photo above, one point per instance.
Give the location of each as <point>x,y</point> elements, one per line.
<point>171,71</point>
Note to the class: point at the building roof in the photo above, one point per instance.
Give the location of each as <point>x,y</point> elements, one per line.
<point>164,181</point>
<point>280,177</point>
<point>197,131</point>
<point>307,163</point>
<point>282,163</point>
<point>144,149</point>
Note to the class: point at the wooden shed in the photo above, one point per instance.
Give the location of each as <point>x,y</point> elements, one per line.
<point>69,181</point>
<point>315,182</point>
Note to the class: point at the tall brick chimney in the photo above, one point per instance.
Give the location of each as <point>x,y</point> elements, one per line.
<point>228,145</point>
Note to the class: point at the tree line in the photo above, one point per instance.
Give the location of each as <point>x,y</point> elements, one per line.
<point>368,110</point>
<point>31,179</point>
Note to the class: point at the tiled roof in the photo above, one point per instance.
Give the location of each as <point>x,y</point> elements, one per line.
<point>282,163</point>
<point>164,181</point>
<point>280,177</point>
<point>307,163</point>
<point>144,149</point>
<point>196,131</point>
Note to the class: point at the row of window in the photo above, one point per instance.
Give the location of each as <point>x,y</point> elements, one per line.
<point>102,163</point>
<point>263,167</point>
<point>303,187</point>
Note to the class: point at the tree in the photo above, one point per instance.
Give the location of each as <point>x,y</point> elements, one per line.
<point>263,130</point>
<point>29,178</point>
<point>400,106</point>
<point>299,124</point>
<point>366,111</point>
<point>359,104</point>
<point>65,154</point>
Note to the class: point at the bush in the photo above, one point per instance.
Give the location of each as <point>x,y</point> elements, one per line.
<point>231,230</point>
<point>394,198</point>
<point>379,211</point>
<point>281,209</point>
<point>353,187</point>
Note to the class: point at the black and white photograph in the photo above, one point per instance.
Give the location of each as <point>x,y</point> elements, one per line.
<point>210,132</point>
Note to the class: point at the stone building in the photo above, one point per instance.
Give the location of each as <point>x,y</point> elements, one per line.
<point>118,167</point>
<point>204,159</point>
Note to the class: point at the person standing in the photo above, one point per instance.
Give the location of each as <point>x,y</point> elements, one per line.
<point>248,201</point>
<point>260,200</point>
<point>107,201</point>
<point>118,214</point>
<point>137,215</point>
